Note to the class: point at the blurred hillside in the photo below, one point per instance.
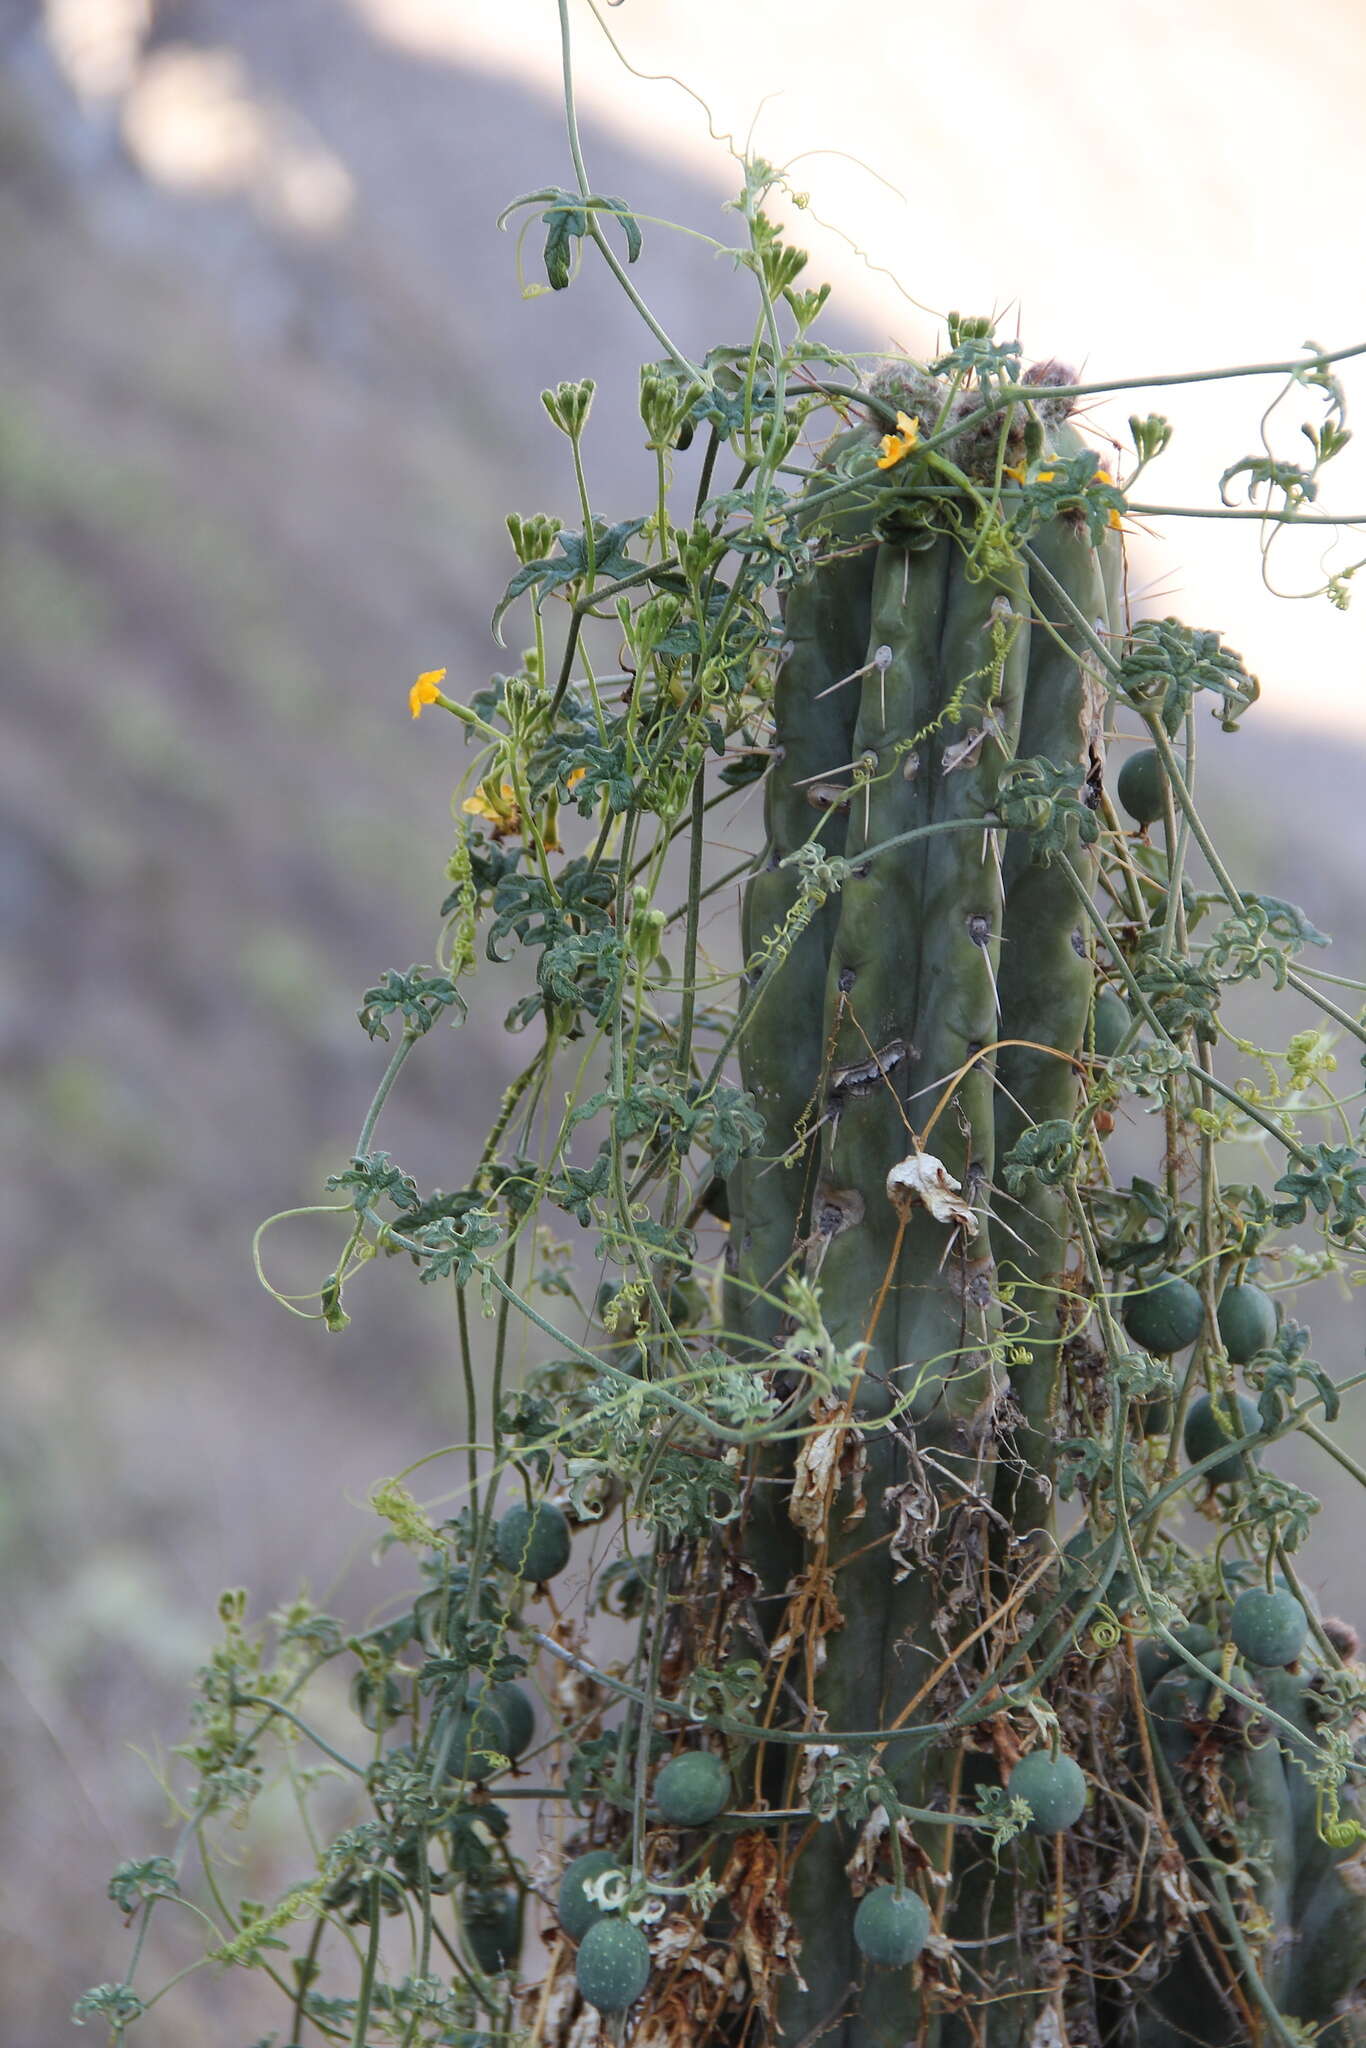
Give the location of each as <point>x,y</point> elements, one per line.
<point>257,435</point>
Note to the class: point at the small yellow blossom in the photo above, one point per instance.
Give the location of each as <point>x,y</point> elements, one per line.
<point>1016,472</point>
<point>504,813</point>
<point>501,810</point>
<point>426,690</point>
<point>1103,476</point>
<point>896,446</point>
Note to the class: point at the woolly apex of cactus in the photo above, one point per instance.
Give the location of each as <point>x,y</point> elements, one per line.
<point>905,387</point>
<point>1343,1637</point>
<point>1051,377</point>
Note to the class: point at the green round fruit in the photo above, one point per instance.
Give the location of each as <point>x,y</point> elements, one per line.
<point>1112,1022</point>
<point>513,1704</point>
<point>1140,787</point>
<point>614,1965</point>
<point>1269,1628</point>
<point>891,1927</point>
<point>693,1789</point>
<point>493,1929</point>
<point>1247,1321</point>
<point>1208,1429</point>
<point>575,1910</point>
<point>533,1542</point>
<point>1164,1316</point>
<point>1054,1787</point>
<point>1154,1413</point>
<point>478,1736</point>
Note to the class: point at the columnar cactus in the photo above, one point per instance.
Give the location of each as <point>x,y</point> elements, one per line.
<point>883,1022</point>
<point>911,1054</point>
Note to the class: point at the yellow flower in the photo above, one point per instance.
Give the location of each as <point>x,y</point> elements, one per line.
<point>896,446</point>
<point>1016,472</point>
<point>426,690</point>
<point>1103,476</point>
<point>502,809</point>
<point>503,812</point>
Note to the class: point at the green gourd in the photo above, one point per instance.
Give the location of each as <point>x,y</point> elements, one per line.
<point>513,1702</point>
<point>1156,1656</point>
<point>1164,1315</point>
<point>1209,1428</point>
<point>533,1542</point>
<point>1055,1788</point>
<point>613,1964</point>
<point>692,1790</point>
<point>493,1922</point>
<point>477,1737</point>
<point>575,1910</point>
<point>891,1927</point>
<point>1140,786</point>
<point>1268,1628</point>
<point>1113,1019</point>
<point>1247,1321</point>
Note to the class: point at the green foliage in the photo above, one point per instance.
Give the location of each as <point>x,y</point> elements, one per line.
<point>806,1289</point>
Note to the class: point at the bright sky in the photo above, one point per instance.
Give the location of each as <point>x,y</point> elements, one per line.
<point>1144,204</point>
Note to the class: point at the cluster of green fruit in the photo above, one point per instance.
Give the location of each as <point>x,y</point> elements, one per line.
<point>891,1925</point>
<point>1167,1315</point>
<point>498,1721</point>
<point>613,1964</point>
<point>1266,1627</point>
<point>1255,1760</point>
